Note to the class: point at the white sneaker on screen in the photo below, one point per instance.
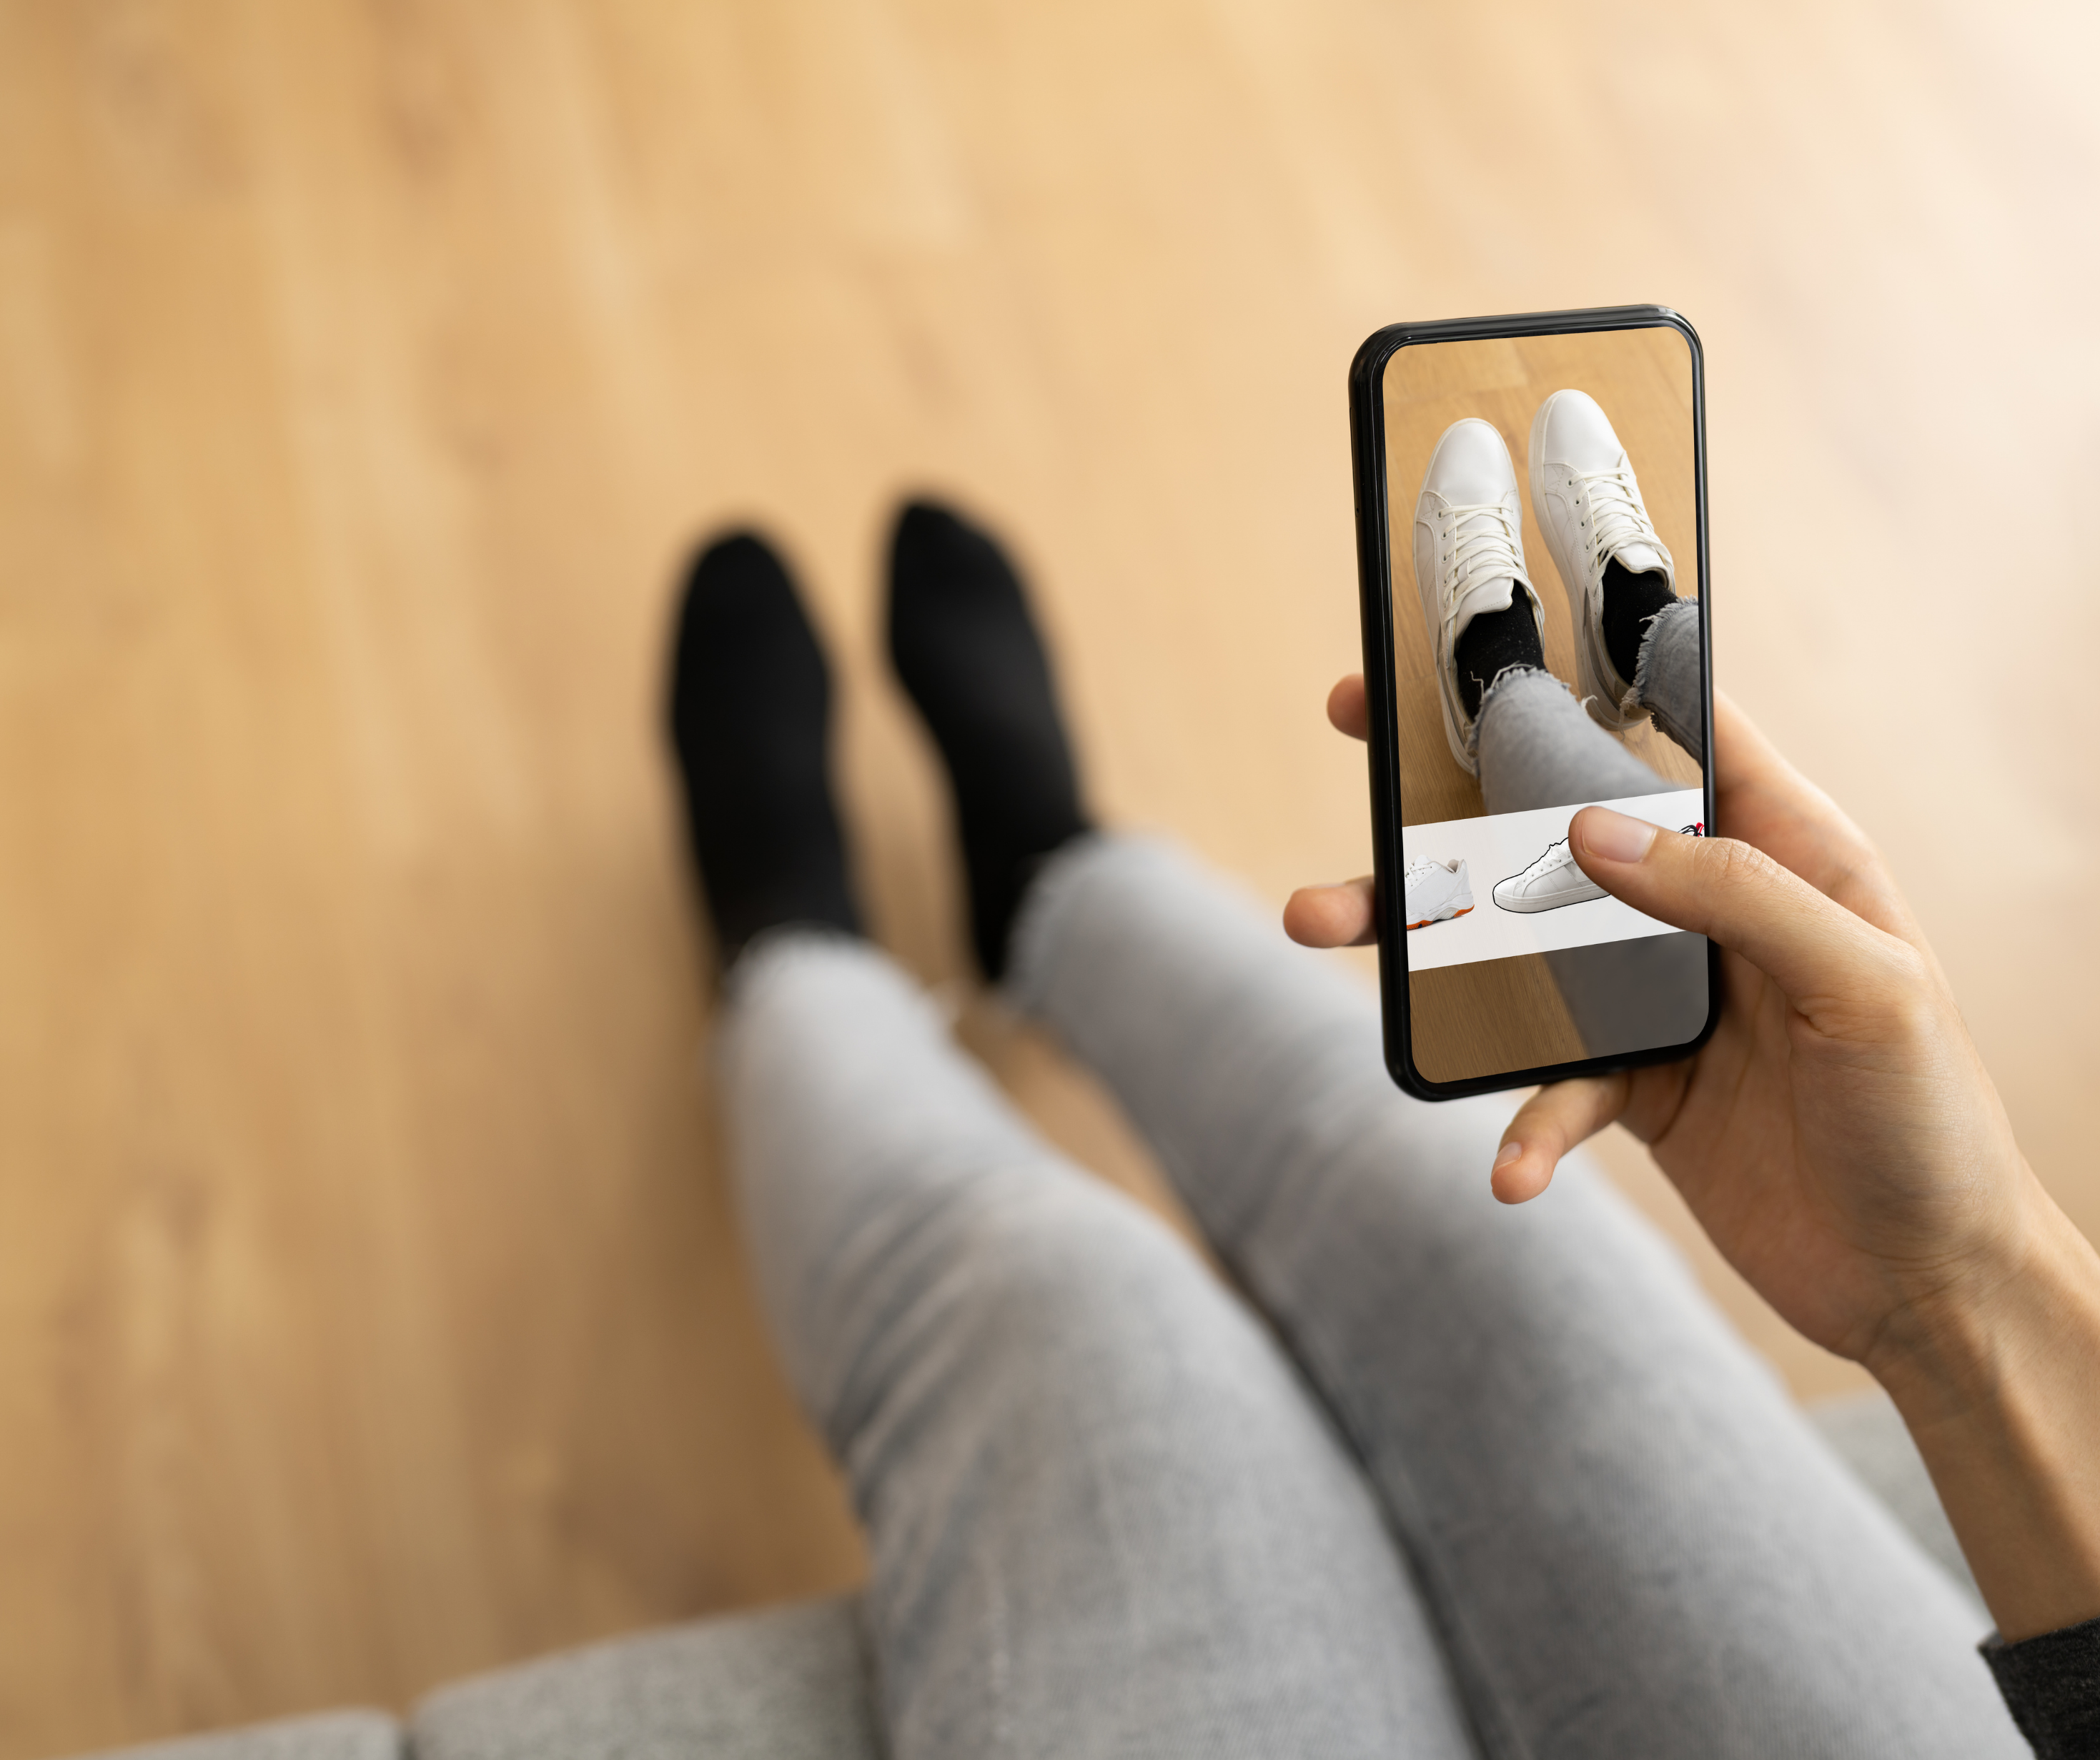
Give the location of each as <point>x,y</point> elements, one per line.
<point>1436,891</point>
<point>1588,508</point>
<point>1468,555</point>
<point>1548,884</point>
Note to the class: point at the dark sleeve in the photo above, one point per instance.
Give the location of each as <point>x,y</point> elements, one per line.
<point>2052,1685</point>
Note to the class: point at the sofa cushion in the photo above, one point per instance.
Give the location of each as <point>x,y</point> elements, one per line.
<point>1867,1430</point>
<point>330,1735</point>
<point>788,1683</point>
<point>793,1682</point>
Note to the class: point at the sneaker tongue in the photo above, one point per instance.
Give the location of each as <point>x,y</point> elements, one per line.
<point>1495,595</point>
<point>1639,558</point>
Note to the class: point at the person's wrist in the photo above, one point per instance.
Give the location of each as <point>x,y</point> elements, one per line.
<point>1997,1376</point>
<point>1958,1335</point>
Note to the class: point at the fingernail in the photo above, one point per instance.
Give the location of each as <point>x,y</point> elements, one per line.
<point>1511,1152</point>
<point>1614,836</point>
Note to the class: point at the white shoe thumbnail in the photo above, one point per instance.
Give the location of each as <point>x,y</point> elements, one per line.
<point>1436,890</point>
<point>1468,555</point>
<point>1548,884</point>
<point>1590,510</point>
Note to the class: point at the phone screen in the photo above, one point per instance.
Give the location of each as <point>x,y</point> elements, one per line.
<point>1543,502</point>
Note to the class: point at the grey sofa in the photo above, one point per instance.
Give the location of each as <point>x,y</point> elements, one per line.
<point>793,1683</point>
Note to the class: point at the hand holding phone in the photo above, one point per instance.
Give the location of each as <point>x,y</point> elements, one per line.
<point>1840,1141</point>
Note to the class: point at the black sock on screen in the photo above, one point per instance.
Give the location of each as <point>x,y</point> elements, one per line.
<point>750,714</point>
<point>966,649</point>
<point>1492,642</point>
<point>1629,600</point>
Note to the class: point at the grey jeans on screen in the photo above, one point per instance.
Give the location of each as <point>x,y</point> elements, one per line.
<point>1537,746</point>
<point>1448,1479</point>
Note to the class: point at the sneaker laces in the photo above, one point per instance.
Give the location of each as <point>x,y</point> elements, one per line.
<point>1483,540</point>
<point>1548,861</point>
<point>1618,516</point>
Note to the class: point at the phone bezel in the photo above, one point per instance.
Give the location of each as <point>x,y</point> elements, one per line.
<point>1374,590</point>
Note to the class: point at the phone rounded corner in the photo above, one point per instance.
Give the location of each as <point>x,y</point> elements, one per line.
<point>1676,320</point>
<point>1375,351</point>
<point>1399,1067</point>
<point>1716,1002</point>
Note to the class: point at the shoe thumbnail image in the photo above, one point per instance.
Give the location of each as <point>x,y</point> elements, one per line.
<point>1436,890</point>
<point>1547,884</point>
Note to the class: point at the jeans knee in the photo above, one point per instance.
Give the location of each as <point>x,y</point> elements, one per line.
<point>1077,1259</point>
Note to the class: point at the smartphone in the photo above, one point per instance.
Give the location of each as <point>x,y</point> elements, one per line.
<point>1531,549</point>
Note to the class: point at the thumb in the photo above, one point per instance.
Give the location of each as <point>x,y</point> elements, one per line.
<point>1735,894</point>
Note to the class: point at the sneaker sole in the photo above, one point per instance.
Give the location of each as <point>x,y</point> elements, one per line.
<point>1596,694</point>
<point>1448,916</point>
<point>1531,907</point>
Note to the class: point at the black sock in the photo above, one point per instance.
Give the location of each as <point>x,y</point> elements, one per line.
<point>1630,601</point>
<point>750,716</point>
<point>1493,640</point>
<point>966,649</point>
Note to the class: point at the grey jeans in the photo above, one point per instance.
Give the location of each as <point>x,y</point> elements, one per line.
<point>1538,747</point>
<point>1430,1478</point>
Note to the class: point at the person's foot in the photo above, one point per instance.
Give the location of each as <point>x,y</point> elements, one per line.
<point>1548,884</point>
<point>1483,614</point>
<point>750,718</point>
<point>1617,570</point>
<point>966,649</point>
<point>1436,890</point>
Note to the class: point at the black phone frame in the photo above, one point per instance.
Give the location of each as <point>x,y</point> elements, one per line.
<point>1375,591</point>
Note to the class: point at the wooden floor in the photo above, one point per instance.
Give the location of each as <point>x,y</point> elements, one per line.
<point>369,1309</point>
